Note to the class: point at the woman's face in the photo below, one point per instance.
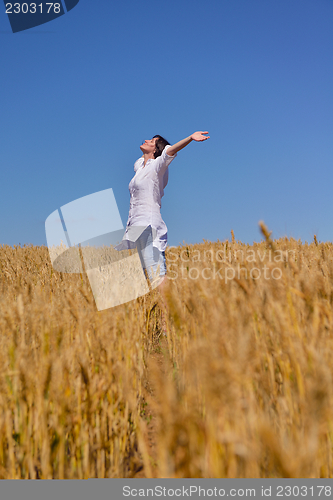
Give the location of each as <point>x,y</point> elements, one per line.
<point>149,145</point>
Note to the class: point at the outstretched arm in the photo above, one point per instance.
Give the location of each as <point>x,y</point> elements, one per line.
<point>197,136</point>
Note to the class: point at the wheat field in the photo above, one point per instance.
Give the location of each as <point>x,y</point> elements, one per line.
<point>241,385</point>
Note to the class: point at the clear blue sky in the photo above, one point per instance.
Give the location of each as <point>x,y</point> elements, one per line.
<point>81,93</point>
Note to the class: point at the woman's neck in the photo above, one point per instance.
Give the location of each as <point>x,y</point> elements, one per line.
<point>147,156</point>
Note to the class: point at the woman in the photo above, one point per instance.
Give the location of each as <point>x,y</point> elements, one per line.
<point>145,229</point>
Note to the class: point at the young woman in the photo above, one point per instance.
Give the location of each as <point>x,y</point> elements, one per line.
<point>145,229</point>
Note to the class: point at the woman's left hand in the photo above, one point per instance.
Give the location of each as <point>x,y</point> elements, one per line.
<point>199,136</point>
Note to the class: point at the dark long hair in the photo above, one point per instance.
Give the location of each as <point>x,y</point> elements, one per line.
<point>160,145</point>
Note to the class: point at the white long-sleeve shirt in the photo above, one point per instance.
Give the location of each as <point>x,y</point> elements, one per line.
<point>146,190</point>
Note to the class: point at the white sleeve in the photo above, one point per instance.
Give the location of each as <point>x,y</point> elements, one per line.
<point>137,164</point>
<point>162,162</point>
